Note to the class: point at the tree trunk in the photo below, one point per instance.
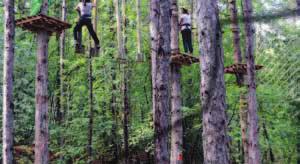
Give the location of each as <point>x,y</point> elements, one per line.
<point>236,37</point>
<point>41,96</point>
<point>119,30</point>
<point>126,107</point>
<point>62,78</point>
<point>253,136</point>
<point>240,80</point>
<point>215,144</point>
<point>244,124</point>
<point>8,67</point>
<point>160,45</point>
<point>41,115</point>
<point>176,115</point>
<point>140,56</point>
<point>91,97</point>
<point>91,109</point>
<point>235,28</point>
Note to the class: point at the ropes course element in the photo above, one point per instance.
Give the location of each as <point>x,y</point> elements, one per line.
<point>239,69</point>
<point>281,69</point>
<point>184,59</point>
<point>43,23</point>
<point>267,16</point>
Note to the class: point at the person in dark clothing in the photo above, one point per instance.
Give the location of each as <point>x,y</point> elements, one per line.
<point>85,10</point>
<point>186,30</point>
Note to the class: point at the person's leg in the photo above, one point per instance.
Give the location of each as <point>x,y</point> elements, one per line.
<point>92,32</point>
<point>77,32</point>
<point>79,36</point>
<point>189,41</point>
<point>184,40</point>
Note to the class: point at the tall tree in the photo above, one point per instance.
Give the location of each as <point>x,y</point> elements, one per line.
<point>215,144</point>
<point>126,105</point>
<point>235,28</point>
<point>62,78</point>
<point>238,58</point>
<point>253,129</point>
<point>91,107</point>
<point>92,53</point>
<point>8,67</point>
<point>176,114</point>
<point>160,45</point>
<point>119,30</point>
<point>41,96</point>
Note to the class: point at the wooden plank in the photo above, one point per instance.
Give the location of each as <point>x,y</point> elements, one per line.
<point>42,23</point>
<point>24,21</point>
<point>58,20</point>
<point>183,59</point>
<point>239,68</point>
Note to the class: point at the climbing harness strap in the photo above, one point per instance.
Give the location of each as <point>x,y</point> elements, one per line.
<point>187,25</point>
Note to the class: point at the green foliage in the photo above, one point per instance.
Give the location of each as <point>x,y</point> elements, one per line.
<point>36,7</point>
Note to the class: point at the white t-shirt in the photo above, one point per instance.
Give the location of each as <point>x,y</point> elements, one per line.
<point>85,10</point>
<point>185,19</point>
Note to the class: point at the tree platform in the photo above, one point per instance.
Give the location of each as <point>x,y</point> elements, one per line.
<point>184,59</point>
<point>240,69</point>
<point>43,23</point>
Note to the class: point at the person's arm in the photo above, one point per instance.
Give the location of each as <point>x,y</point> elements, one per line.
<point>180,21</point>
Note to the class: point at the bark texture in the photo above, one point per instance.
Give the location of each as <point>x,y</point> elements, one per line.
<point>253,129</point>
<point>215,144</point>
<point>235,28</point>
<point>119,30</point>
<point>176,115</point>
<point>91,109</point>
<point>236,37</point>
<point>244,124</point>
<point>91,91</point>
<point>126,105</point>
<point>160,46</point>
<point>41,96</point>
<point>8,66</point>
<point>62,100</point>
<point>238,58</point>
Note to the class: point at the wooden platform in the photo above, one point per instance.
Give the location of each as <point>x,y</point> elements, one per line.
<point>239,69</point>
<point>184,59</point>
<point>42,23</point>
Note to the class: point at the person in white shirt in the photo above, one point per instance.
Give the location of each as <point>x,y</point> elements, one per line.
<point>84,9</point>
<point>185,23</point>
